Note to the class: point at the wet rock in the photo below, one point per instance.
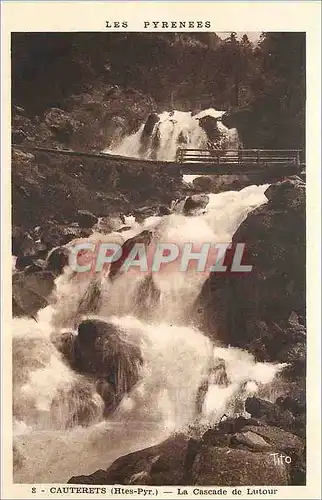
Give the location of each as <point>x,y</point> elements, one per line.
<point>215,437</point>
<point>251,440</point>
<point>221,183</point>
<point>269,412</point>
<point>289,193</point>
<point>30,292</point>
<point>107,225</point>
<point>295,404</point>
<point>144,237</point>
<point>64,343</point>
<point>281,440</point>
<point>143,213</point>
<point>101,350</point>
<point>195,202</point>
<point>22,156</point>
<point>203,183</point>
<point>232,425</point>
<point>91,301</point>
<point>153,118</point>
<point>62,124</point>
<point>124,228</point>
<point>18,136</point>
<point>296,357</point>
<point>163,210</point>
<point>147,134</point>
<point>253,312</point>
<point>54,234</point>
<point>18,457</point>
<point>107,392</point>
<point>25,246</point>
<point>235,467</point>
<point>209,125</point>
<point>83,406</point>
<point>148,295</point>
<point>86,219</point>
<point>22,262</point>
<point>57,259</point>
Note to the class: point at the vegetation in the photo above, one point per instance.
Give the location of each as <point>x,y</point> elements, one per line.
<point>77,71</point>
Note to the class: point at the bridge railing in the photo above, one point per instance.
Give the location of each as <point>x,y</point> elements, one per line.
<point>240,156</point>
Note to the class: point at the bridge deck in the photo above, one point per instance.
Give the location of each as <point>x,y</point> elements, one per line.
<point>201,161</point>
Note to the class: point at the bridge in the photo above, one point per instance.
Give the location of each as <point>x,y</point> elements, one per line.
<point>280,162</point>
<point>239,161</point>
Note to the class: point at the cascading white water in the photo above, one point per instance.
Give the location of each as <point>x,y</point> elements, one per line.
<point>178,359</point>
<point>175,129</point>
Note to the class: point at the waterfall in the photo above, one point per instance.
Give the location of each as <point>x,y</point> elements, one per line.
<point>178,359</point>
<point>161,136</point>
<point>184,379</point>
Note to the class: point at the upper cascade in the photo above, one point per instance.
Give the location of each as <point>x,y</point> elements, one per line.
<point>162,135</point>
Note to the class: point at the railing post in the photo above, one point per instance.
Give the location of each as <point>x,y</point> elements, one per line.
<point>298,160</point>
<point>258,155</point>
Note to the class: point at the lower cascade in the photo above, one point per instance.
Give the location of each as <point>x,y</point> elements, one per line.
<point>112,366</point>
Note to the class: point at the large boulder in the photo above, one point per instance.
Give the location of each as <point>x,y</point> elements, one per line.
<point>86,219</point>
<point>101,350</point>
<point>144,237</point>
<point>289,194</point>
<point>256,311</point>
<point>209,125</point>
<point>220,183</point>
<point>235,467</point>
<point>279,439</point>
<point>152,119</point>
<point>195,203</point>
<point>31,292</point>
<point>62,124</point>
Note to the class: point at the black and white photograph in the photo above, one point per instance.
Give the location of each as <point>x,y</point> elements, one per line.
<point>158,252</point>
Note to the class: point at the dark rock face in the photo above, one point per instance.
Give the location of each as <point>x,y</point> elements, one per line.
<point>153,118</point>
<point>143,237</point>
<point>284,413</point>
<point>264,123</point>
<point>220,183</point>
<point>31,292</point>
<point>99,350</point>
<point>227,467</point>
<point>61,124</point>
<point>61,186</point>
<point>209,125</point>
<point>163,210</point>
<point>86,219</point>
<point>263,311</point>
<point>195,202</point>
<point>148,295</point>
<point>57,259</point>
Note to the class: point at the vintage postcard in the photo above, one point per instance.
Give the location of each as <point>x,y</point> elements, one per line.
<point>160,249</point>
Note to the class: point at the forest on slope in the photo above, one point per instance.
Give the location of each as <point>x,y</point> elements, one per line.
<point>98,77</point>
